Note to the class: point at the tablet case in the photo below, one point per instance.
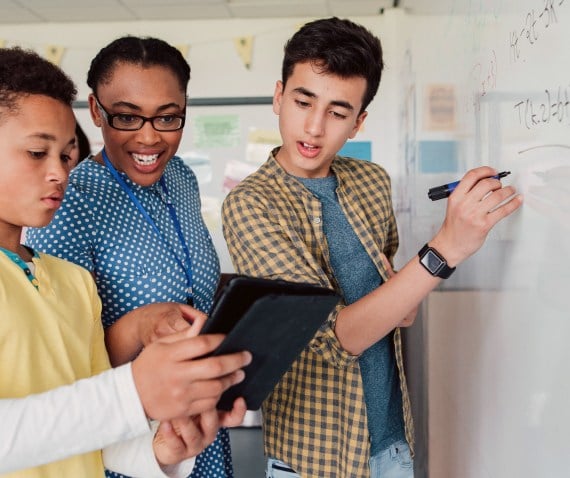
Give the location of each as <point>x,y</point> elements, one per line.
<point>274,320</point>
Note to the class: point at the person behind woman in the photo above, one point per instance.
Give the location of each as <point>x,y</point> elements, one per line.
<point>59,403</point>
<point>82,147</point>
<point>131,213</point>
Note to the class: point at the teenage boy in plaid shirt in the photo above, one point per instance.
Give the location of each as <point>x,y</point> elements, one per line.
<point>309,215</point>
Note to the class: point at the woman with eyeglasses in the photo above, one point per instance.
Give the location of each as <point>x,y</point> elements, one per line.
<point>131,212</point>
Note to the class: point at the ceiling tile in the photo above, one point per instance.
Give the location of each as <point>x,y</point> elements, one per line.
<point>18,15</point>
<point>358,7</point>
<point>269,3</point>
<point>267,9</point>
<point>168,3</point>
<point>90,4</point>
<point>90,13</point>
<point>26,11</point>
<point>178,12</point>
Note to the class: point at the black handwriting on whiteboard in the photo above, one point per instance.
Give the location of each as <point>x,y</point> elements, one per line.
<point>553,107</point>
<point>534,24</point>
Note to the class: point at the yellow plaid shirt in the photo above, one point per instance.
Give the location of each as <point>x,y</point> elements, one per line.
<point>315,419</point>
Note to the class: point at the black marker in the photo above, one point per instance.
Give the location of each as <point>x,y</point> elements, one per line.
<point>441,192</point>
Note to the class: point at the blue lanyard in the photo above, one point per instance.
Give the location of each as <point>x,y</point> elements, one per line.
<point>16,259</point>
<point>187,269</point>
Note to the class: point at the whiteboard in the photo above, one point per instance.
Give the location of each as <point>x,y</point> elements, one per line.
<point>495,352</point>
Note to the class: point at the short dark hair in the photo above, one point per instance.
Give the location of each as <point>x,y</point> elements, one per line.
<point>83,143</point>
<point>340,47</point>
<point>24,73</point>
<point>144,51</point>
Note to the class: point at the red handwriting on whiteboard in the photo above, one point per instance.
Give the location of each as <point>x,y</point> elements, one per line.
<point>484,78</point>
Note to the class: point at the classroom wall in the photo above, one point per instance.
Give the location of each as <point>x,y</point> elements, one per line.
<point>218,72</point>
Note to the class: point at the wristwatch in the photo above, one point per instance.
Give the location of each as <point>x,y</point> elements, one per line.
<point>434,262</point>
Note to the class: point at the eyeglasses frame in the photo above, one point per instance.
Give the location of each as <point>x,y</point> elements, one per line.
<point>110,116</point>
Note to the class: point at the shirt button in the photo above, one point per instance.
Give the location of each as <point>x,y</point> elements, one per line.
<point>317,220</point>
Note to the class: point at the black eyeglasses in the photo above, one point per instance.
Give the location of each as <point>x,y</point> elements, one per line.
<point>132,122</point>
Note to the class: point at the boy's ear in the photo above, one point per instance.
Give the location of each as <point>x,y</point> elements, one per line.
<point>358,124</point>
<point>94,111</point>
<point>277,97</point>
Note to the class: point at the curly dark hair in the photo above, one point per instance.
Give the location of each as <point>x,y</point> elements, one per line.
<point>82,142</point>
<point>144,51</point>
<point>339,47</point>
<point>24,72</point>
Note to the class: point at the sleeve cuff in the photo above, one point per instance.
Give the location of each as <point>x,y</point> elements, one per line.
<point>328,346</point>
<point>179,470</point>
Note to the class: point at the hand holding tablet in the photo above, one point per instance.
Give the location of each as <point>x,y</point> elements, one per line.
<point>272,319</point>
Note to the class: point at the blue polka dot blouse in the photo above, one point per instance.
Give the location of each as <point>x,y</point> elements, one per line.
<point>99,228</point>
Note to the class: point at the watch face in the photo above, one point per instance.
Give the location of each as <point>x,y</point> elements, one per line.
<point>432,262</point>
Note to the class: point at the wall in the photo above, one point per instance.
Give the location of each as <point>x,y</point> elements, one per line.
<point>218,72</point>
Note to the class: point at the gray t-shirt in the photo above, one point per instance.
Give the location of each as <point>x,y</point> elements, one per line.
<point>357,276</point>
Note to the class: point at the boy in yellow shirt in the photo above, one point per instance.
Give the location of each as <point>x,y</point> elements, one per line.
<point>60,403</point>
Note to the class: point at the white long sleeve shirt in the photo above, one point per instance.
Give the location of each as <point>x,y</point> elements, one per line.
<point>101,412</point>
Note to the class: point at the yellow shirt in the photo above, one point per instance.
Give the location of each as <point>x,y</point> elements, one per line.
<point>49,337</point>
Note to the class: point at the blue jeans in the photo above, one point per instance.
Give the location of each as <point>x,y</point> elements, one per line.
<point>278,469</point>
<point>393,462</point>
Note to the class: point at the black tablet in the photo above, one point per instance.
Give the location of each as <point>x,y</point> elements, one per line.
<point>274,320</point>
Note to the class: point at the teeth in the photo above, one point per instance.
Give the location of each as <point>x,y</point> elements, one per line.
<point>308,146</point>
<point>145,159</point>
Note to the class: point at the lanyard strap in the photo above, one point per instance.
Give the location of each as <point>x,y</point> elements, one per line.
<point>187,269</point>
<point>16,259</point>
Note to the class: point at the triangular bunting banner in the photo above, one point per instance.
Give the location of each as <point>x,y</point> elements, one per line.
<point>244,47</point>
<point>54,53</point>
<point>183,49</point>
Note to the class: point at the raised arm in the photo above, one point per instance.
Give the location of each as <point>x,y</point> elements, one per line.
<point>473,209</point>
